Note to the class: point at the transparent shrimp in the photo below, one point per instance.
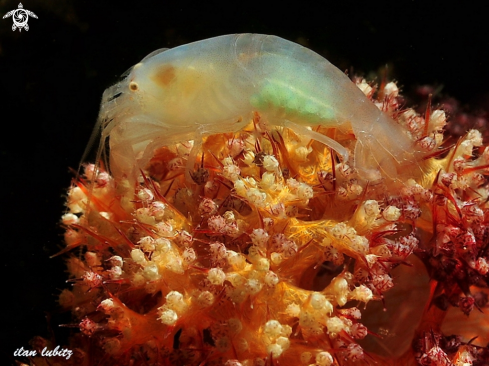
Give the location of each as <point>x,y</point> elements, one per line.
<point>214,85</point>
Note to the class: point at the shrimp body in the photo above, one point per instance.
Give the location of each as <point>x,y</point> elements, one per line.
<point>214,85</point>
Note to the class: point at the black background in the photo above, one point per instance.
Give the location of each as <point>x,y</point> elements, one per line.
<point>52,78</point>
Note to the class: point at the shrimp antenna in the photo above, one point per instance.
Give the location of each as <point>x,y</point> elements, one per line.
<point>94,137</point>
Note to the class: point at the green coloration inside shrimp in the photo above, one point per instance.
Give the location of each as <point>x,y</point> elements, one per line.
<point>294,102</point>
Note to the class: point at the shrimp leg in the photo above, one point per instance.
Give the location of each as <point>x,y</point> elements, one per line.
<point>313,135</point>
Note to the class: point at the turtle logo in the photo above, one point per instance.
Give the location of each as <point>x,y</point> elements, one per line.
<point>20,17</point>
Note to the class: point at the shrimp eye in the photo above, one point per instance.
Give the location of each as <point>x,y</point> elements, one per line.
<point>133,86</point>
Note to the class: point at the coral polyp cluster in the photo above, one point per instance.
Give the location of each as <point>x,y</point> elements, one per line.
<point>271,250</point>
